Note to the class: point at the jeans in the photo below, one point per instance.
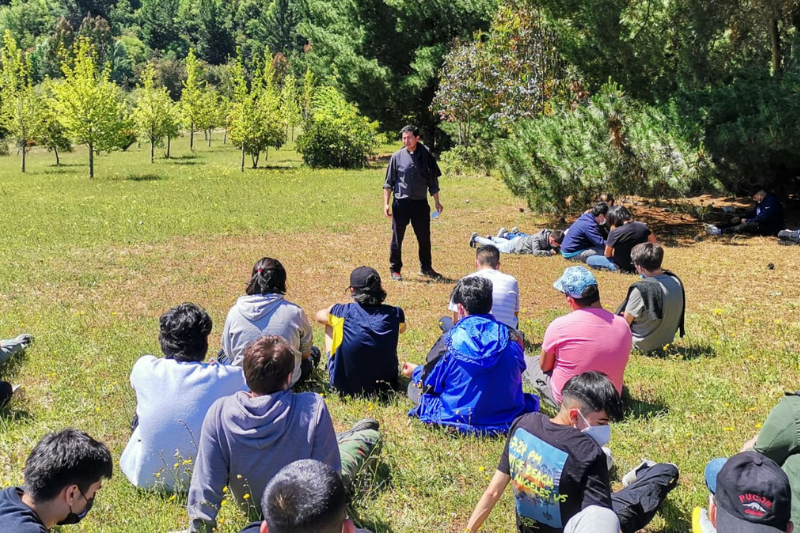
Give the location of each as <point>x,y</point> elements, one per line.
<point>506,246</point>
<point>601,262</point>
<point>418,213</point>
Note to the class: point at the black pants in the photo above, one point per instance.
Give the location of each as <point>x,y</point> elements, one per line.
<point>6,391</point>
<point>636,505</point>
<point>750,227</point>
<point>416,212</point>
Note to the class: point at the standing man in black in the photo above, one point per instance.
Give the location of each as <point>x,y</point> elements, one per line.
<point>411,174</point>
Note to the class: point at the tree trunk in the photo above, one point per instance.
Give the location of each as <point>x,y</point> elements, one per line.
<point>775,37</point>
<point>23,156</point>
<point>266,154</point>
<point>254,158</point>
<point>225,137</point>
<point>91,161</point>
<point>205,134</point>
<point>241,167</point>
<point>209,137</point>
<point>169,142</point>
<point>191,137</point>
<point>152,150</point>
<point>292,133</point>
<point>58,161</point>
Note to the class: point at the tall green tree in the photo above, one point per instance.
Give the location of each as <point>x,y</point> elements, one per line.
<point>192,101</point>
<point>50,133</point>
<point>159,22</point>
<point>214,41</point>
<point>290,106</point>
<point>88,104</point>
<point>307,96</point>
<point>152,112</point>
<point>19,103</point>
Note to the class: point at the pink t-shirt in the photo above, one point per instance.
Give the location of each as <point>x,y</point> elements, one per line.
<point>588,339</point>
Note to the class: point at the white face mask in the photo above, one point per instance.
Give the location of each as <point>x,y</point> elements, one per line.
<point>600,434</point>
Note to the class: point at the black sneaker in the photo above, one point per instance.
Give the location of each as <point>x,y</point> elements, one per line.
<point>430,273</point>
<point>396,276</point>
<point>316,356</point>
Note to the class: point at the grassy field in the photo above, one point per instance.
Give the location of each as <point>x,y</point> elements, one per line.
<point>89,266</point>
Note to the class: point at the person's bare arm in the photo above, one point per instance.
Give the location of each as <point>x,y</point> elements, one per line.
<point>609,252</point>
<point>408,369</point>
<point>387,194</point>
<point>652,238</point>
<point>403,327</point>
<point>547,361</point>
<point>322,315</point>
<point>487,502</point>
<point>439,206</point>
<point>628,317</point>
<point>749,444</point>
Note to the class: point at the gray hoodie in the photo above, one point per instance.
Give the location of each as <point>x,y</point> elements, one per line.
<point>266,314</point>
<point>246,441</point>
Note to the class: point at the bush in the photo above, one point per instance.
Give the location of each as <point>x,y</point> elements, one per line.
<point>609,143</point>
<point>4,147</point>
<point>336,135</point>
<point>464,159</point>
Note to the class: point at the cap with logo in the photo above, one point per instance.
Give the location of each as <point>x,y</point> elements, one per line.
<point>575,281</point>
<point>751,492</point>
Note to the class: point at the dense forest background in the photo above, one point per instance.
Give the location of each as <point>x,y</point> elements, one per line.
<point>565,97</point>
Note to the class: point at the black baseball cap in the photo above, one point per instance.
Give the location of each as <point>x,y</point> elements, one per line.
<point>359,276</point>
<point>752,494</point>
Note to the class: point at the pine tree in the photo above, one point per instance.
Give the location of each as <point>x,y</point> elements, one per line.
<point>89,106</point>
<point>19,103</point>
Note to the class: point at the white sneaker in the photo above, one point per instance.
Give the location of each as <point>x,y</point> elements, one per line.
<point>712,230</point>
<point>630,477</point>
<point>501,233</point>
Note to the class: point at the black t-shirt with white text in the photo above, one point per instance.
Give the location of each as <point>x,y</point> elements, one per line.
<point>623,239</point>
<point>556,471</point>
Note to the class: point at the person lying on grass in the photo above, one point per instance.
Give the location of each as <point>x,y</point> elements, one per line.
<point>8,348</point>
<point>545,243</point>
<point>265,311</point>
<point>63,474</point>
<point>473,378</point>
<point>249,437</point>
<point>624,235</point>
<point>173,395</point>
<point>655,306</point>
<point>305,496</point>
<point>361,337</point>
<point>557,468</point>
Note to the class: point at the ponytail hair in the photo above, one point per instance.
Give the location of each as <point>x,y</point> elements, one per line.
<point>372,295</point>
<point>268,277</point>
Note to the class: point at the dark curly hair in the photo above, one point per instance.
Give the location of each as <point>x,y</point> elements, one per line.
<point>268,277</point>
<point>184,333</point>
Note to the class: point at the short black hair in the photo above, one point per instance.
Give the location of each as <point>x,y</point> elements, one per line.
<point>606,197</point>
<point>593,392</point>
<point>372,295</point>
<point>618,215</point>
<point>488,254</point>
<point>591,295</point>
<point>267,363</point>
<point>557,236</point>
<point>600,208</point>
<point>268,277</point>
<point>184,332</point>
<point>410,128</point>
<point>69,457</point>
<point>474,293</point>
<point>648,255</point>
<point>306,496</point>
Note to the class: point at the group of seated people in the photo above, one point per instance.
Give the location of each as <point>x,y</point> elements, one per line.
<point>237,423</point>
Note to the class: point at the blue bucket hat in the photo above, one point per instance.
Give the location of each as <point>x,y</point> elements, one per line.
<point>574,281</point>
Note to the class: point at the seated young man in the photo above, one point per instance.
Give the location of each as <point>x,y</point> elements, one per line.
<point>8,348</point>
<point>305,495</point>
<point>624,235</point>
<point>473,380</point>
<point>749,493</point>
<point>63,474</point>
<point>765,218</point>
<point>173,395</point>
<point>505,289</point>
<point>249,437</point>
<point>588,338</point>
<point>361,337</point>
<point>584,238</point>
<point>557,468</point>
<point>544,243</point>
<point>655,306</point>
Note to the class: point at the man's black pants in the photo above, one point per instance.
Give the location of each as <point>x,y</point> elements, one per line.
<point>636,505</point>
<point>416,212</point>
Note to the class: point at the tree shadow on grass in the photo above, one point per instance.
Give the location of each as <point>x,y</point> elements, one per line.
<point>688,352</point>
<point>637,409</point>
<point>676,518</point>
<point>144,177</point>
<point>184,163</point>
<point>183,157</point>
<point>369,483</point>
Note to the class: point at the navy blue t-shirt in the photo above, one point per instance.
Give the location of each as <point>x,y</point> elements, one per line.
<point>363,356</point>
<point>16,516</point>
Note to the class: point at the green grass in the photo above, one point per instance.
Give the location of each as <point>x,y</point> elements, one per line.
<point>89,266</point>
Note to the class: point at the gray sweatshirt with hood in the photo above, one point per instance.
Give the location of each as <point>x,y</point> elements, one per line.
<point>246,441</point>
<point>266,314</point>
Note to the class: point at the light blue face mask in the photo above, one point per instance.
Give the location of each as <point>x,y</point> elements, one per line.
<point>600,434</point>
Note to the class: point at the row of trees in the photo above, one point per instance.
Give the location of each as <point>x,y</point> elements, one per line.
<point>86,107</point>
